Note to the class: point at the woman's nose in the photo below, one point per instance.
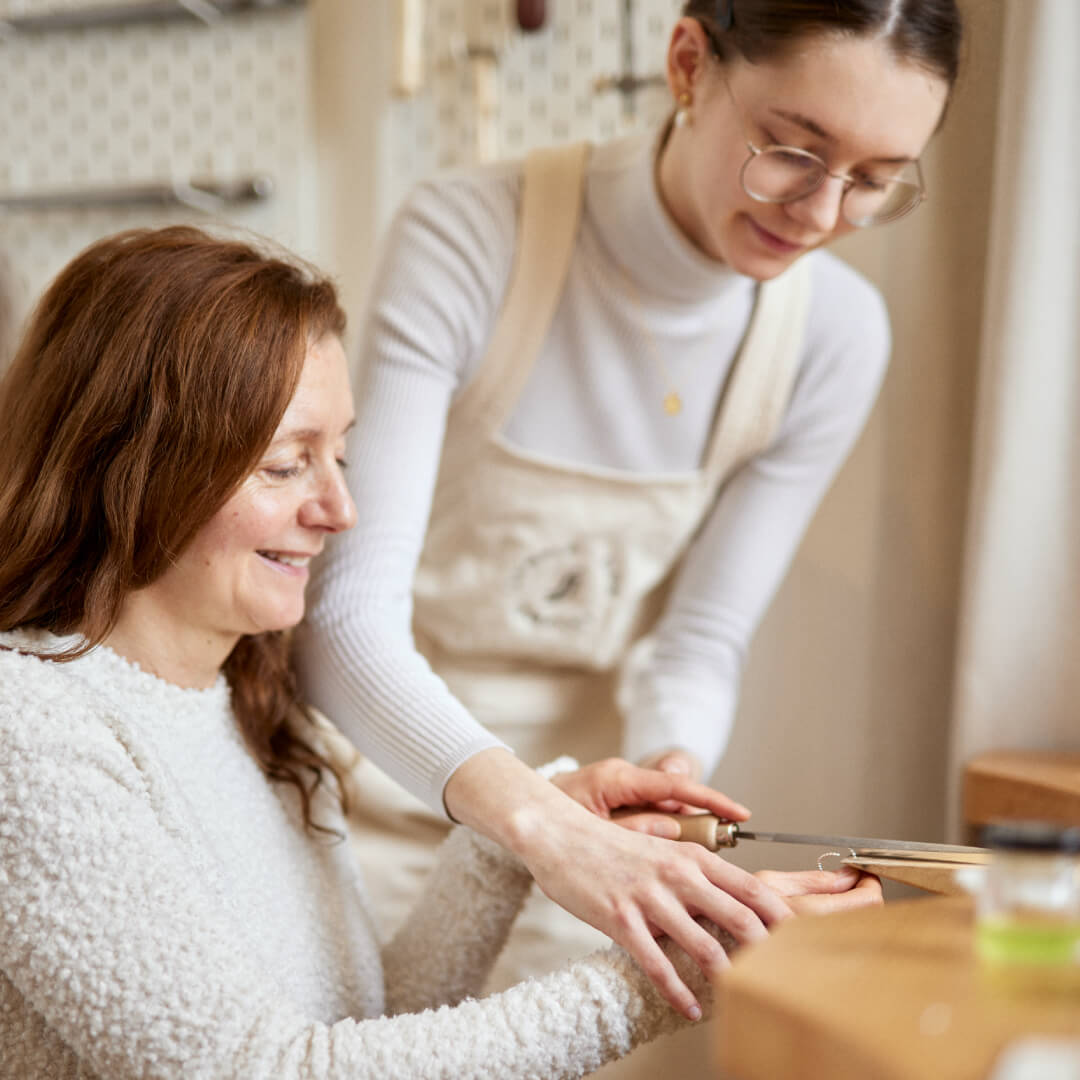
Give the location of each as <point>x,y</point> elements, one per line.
<point>331,507</point>
<point>820,210</point>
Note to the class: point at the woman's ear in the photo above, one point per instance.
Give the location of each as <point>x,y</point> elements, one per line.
<point>688,55</point>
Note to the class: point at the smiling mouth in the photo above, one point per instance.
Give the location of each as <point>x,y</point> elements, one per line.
<point>777,243</point>
<point>286,560</point>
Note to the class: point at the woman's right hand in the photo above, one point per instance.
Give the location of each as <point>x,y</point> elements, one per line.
<point>636,888</point>
<point>631,886</point>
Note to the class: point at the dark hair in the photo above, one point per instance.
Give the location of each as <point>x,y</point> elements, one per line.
<point>152,377</point>
<point>922,32</point>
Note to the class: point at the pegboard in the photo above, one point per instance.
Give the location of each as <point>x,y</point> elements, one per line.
<point>102,107</point>
<point>182,101</point>
<point>545,80</point>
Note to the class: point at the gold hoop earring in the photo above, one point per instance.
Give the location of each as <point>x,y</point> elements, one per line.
<point>682,114</point>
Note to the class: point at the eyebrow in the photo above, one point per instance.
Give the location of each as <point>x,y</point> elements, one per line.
<point>817,130</point>
<point>306,434</point>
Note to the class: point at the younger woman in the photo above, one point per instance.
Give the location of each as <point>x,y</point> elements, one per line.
<point>603,395</point>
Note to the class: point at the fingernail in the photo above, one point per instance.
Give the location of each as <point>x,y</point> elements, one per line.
<point>694,1012</point>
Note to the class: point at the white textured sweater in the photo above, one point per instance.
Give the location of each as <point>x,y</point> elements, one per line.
<point>164,913</point>
<point>637,290</point>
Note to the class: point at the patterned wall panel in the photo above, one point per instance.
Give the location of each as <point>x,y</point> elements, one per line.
<point>99,107</point>
<point>127,105</point>
<point>545,81</point>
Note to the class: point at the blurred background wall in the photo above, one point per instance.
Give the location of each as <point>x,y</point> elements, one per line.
<point>97,114</point>
<point>844,723</point>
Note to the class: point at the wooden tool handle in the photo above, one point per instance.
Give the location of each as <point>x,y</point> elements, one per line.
<point>705,829</point>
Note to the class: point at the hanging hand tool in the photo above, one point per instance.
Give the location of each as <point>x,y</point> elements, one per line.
<point>531,14</point>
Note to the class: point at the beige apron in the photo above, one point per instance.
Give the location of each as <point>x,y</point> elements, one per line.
<point>538,577</point>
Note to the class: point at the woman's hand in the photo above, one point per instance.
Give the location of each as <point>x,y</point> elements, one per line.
<point>819,892</point>
<point>674,760</point>
<point>677,762</point>
<point>613,784</point>
<point>636,888</point>
<point>608,786</point>
<point>630,886</point>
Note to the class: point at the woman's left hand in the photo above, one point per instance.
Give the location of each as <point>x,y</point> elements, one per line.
<point>820,892</point>
<point>674,760</point>
<point>613,784</point>
<point>678,762</point>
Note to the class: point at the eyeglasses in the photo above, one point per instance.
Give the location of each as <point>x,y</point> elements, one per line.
<point>785,174</point>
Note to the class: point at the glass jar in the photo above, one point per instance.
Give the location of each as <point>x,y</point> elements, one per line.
<point>1027,928</point>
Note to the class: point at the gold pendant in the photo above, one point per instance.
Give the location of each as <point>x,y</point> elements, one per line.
<point>672,403</point>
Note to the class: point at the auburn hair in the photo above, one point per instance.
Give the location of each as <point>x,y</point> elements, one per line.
<point>151,378</point>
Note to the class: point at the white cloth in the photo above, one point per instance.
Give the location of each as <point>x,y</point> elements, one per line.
<point>637,291</point>
<point>166,914</point>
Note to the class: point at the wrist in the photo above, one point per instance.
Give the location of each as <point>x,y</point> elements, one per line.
<point>536,827</point>
<point>500,797</point>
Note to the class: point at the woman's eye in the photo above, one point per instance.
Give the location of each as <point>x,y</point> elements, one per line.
<point>282,472</point>
<point>872,183</point>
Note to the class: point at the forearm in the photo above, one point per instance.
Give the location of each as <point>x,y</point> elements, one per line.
<point>560,1027</point>
<point>679,692</point>
<point>680,686</point>
<point>365,673</point>
<point>444,951</point>
<point>439,285</point>
<point>355,653</point>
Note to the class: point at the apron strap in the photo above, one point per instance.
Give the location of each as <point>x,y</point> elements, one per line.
<point>759,387</point>
<point>551,204</point>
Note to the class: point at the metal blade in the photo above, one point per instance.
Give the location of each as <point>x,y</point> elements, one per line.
<point>862,845</point>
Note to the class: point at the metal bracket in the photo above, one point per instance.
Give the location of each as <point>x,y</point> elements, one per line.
<point>100,16</point>
<point>207,197</point>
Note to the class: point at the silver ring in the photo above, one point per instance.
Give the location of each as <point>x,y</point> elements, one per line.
<point>852,854</point>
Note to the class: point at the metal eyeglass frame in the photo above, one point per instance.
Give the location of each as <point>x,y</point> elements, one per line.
<point>849,181</point>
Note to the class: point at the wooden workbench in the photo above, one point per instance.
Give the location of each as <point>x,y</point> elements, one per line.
<point>1040,785</point>
<point>890,993</point>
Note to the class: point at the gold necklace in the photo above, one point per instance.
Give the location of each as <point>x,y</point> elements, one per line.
<point>673,403</point>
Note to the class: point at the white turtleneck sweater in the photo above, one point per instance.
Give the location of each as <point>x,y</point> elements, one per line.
<point>637,291</point>
<point>164,913</point>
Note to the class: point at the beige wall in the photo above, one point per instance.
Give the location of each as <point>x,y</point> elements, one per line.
<point>844,720</point>
<point>350,43</point>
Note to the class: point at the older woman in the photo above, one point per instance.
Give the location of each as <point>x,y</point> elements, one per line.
<point>174,901</point>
